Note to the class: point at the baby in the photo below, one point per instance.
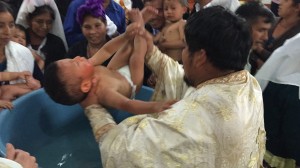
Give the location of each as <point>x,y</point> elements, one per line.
<point>19,36</point>
<point>69,81</point>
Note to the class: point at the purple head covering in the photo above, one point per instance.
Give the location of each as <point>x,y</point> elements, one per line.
<point>91,7</point>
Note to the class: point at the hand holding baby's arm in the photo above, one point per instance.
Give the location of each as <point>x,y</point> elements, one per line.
<point>132,30</point>
<point>92,95</point>
<point>113,45</point>
<point>163,105</point>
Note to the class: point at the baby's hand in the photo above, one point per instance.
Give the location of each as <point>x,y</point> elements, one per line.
<point>149,13</point>
<point>36,56</point>
<point>161,106</point>
<point>6,104</point>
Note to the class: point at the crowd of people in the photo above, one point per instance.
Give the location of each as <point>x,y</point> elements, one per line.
<point>225,76</point>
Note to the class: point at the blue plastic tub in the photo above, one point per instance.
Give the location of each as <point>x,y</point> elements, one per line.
<point>57,135</point>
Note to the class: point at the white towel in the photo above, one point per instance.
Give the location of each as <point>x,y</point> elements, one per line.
<point>19,59</point>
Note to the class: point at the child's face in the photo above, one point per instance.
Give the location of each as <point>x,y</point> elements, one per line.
<point>173,10</point>
<point>19,37</point>
<point>78,67</point>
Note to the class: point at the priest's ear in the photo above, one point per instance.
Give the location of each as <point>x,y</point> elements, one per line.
<point>200,57</point>
<point>86,85</point>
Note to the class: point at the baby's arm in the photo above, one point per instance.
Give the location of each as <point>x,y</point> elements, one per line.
<point>38,59</point>
<point>113,45</point>
<point>8,76</point>
<point>114,99</point>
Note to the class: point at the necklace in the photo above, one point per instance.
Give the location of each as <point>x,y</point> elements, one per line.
<point>92,50</point>
<point>284,24</point>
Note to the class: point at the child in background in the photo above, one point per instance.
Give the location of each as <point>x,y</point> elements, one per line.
<point>10,92</point>
<point>171,40</point>
<point>20,37</point>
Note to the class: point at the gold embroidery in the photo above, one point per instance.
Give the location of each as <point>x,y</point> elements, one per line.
<point>99,132</point>
<point>225,112</point>
<point>143,124</point>
<point>131,120</point>
<point>240,76</point>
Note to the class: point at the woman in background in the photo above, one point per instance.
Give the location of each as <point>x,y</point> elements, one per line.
<point>13,56</point>
<point>44,29</point>
<point>92,20</point>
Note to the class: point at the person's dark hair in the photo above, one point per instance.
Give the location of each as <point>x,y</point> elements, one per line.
<point>252,10</point>
<point>20,27</point>
<point>92,8</point>
<point>296,1</point>
<point>4,7</point>
<point>41,10</point>
<point>60,90</point>
<point>224,36</point>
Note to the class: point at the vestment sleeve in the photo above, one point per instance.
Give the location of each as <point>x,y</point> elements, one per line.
<point>169,83</point>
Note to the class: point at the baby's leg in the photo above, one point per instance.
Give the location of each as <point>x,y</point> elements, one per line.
<point>136,61</point>
<point>121,58</point>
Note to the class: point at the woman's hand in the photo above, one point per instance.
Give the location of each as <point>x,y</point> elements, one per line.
<point>23,75</point>
<point>20,156</point>
<point>4,104</point>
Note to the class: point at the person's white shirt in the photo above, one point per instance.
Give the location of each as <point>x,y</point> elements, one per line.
<point>229,4</point>
<point>283,65</point>
<point>111,28</point>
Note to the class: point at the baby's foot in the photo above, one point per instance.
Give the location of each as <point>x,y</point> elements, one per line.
<point>149,13</point>
<point>32,83</point>
<point>136,16</point>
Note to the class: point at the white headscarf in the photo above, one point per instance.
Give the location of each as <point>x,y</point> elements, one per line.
<point>228,4</point>
<point>283,66</point>
<point>29,6</point>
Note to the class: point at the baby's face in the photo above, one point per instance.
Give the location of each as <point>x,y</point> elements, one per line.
<point>19,37</point>
<point>78,67</point>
